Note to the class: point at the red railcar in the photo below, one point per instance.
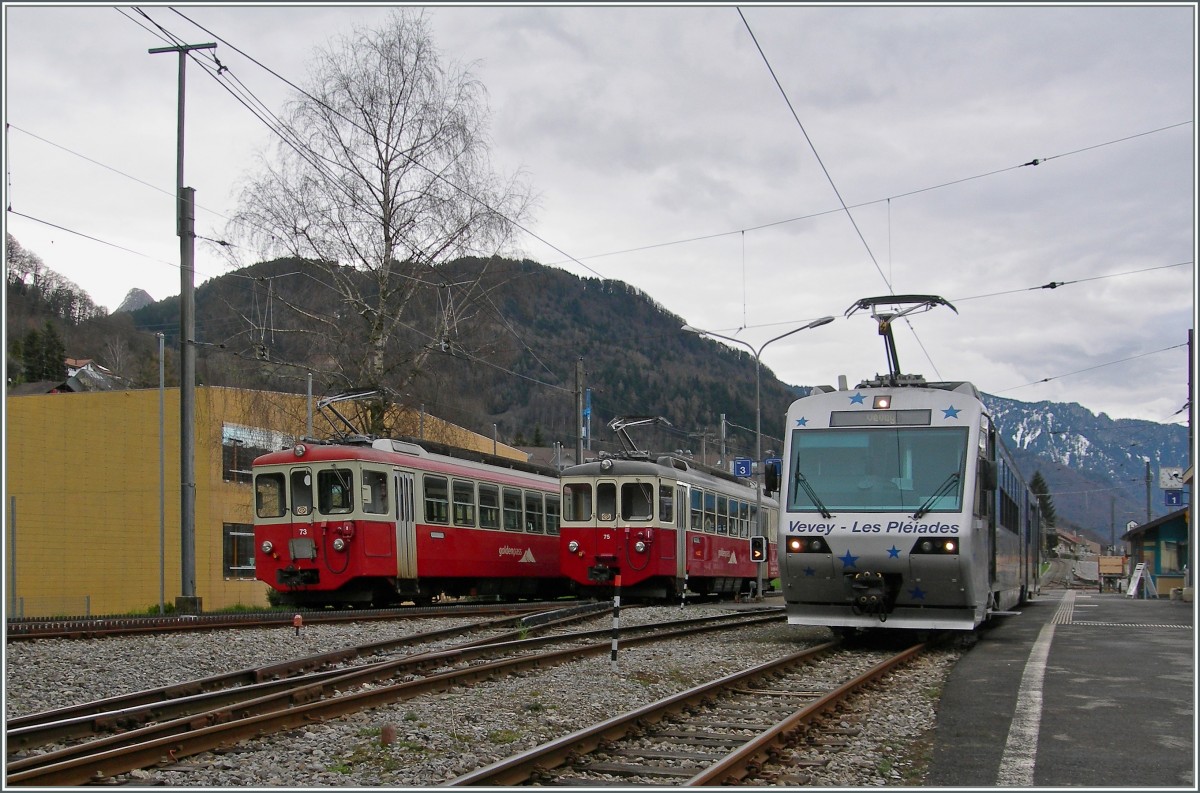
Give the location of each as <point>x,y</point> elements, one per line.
<point>387,521</point>
<point>662,525</point>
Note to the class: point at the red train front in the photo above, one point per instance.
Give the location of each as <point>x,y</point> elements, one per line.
<point>359,524</point>
<point>663,525</point>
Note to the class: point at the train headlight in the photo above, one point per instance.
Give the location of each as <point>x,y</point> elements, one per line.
<point>573,546</point>
<point>339,544</point>
<point>807,545</point>
<point>299,450</point>
<point>267,547</point>
<point>640,546</point>
<point>936,546</point>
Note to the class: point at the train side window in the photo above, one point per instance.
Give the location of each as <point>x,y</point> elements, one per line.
<point>710,512</point>
<point>637,501</point>
<point>534,514</point>
<point>553,513</point>
<point>375,492</point>
<point>437,503</point>
<point>697,510</point>
<point>722,515</point>
<point>752,518</point>
<point>464,503</point>
<point>606,500</point>
<point>489,506</point>
<point>268,496</point>
<point>666,504</point>
<point>374,489</point>
<point>744,519</point>
<point>512,509</point>
<point>335,494</point>
<point>577,497</point>
<point>302,497</point>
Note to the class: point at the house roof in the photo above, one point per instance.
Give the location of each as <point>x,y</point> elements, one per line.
<point>1170,517</point>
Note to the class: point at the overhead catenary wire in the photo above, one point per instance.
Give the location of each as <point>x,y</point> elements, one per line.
<point>833,186</point>
<point>1035,162</point>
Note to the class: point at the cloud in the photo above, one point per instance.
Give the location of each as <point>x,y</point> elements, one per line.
<point>643,126</point>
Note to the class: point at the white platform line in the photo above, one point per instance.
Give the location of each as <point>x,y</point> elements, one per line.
<point>1020,750</point>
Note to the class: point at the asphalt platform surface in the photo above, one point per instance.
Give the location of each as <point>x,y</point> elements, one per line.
<point>1080,690</point>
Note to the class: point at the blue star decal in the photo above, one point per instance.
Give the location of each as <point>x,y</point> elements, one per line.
<point>893,552</point>
<point>802,421</point>
<point>848,560</point>
<point>809,571</point>
<point>916,593</point>
<point>950,412</point>
<point>857,399</point>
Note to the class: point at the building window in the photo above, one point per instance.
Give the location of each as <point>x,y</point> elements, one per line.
<point>239,551</point>
<point>241,444</point>
<point>237,459</point>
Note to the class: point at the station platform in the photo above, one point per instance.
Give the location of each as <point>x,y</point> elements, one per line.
<point>1081,690</point>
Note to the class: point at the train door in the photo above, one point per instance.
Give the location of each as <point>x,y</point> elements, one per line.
<point>681,522</point>
<point>607,536</point>
<point>406,526</point>
<point>302,545</point>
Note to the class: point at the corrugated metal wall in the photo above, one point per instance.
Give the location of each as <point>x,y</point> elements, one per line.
<point>82,496</point>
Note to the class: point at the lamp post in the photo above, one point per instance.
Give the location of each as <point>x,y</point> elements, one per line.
<point>816,323</point>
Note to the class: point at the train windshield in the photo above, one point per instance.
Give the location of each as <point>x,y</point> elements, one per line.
<point>877,470</point>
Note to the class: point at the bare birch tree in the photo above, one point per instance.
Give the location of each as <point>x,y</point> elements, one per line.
<point>383,175</point>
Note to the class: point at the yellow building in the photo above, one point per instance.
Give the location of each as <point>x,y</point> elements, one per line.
<point>86,530</point>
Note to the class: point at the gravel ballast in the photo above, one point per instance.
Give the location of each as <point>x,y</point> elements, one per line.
<point>430,739</point>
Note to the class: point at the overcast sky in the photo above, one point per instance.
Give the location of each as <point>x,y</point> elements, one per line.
<point>666,156</point>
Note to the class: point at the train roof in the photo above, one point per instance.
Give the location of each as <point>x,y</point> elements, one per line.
<point>908,381</point>
<point>420,453</point>
<point>645,465</point>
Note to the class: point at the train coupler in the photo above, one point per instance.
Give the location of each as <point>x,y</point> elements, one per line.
<point>870,593</point>
<point>601,574</point>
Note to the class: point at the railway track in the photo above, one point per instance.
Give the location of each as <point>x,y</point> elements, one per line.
<point>730,731</point>
<point>150,728</point>
<point>97,627</point>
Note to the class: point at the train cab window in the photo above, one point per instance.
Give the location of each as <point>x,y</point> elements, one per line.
<point>335,494</point>
<point>606,500</point>
<point>268,496</point>
<point>666,504</point>
<point>697,510</point>
<point>722,515</point>
<point>375,492</point>
<point>464,503</point>
<point>437,503</point>
<point>512,509</point>
<point>302,497</point>
<point>553,511</point>
<point>489,506</point>
<point>577,497</point>
<point>637,501</point>
<point>534,514</point>
<point>710,512</point>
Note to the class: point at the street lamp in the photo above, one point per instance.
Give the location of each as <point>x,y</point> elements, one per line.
<point>816,323</point>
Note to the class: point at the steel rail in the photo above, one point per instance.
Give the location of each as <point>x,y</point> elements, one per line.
<point>97,627</point>
<point>99,760</point>
<point>519,767</point>
<point>127,710</point>
<point>733,768</point>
